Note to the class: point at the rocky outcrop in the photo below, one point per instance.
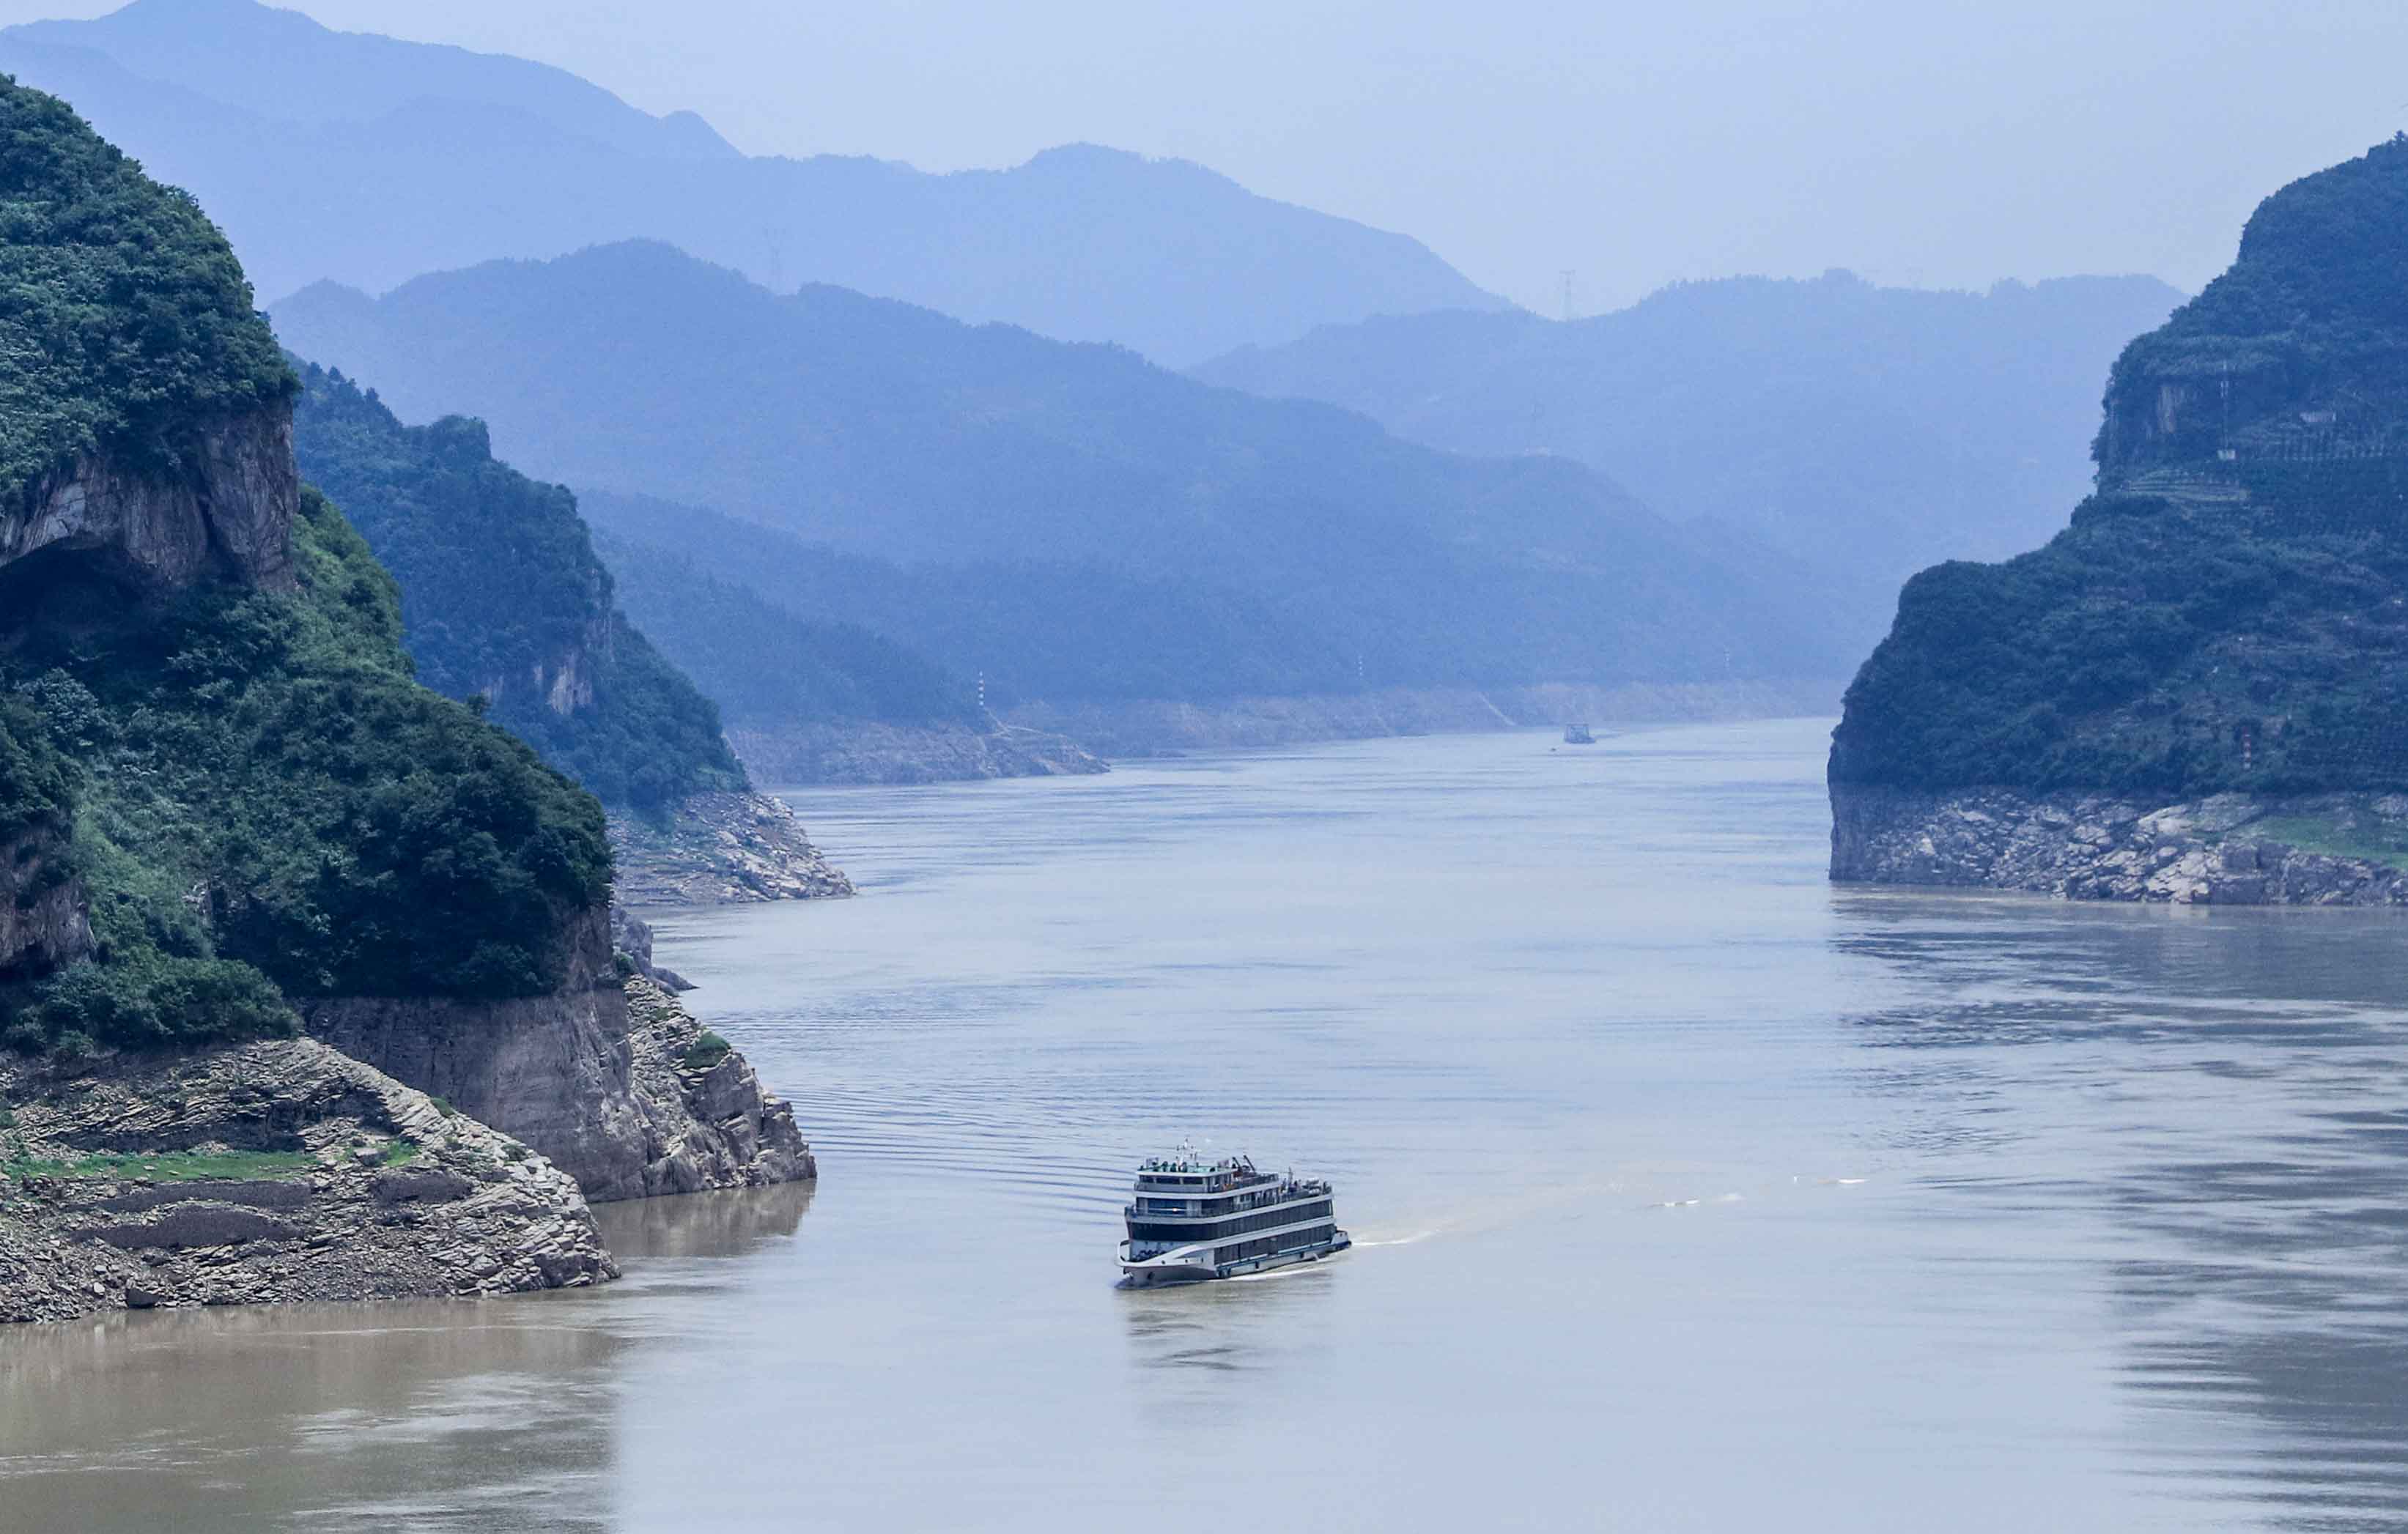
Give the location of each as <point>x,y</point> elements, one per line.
<point>45,920</point>
<point>264,1174</point>
<point>1127,728</point>
<point>713,1125</point>
<point>228,514</point>
<point>631,938</point>
<point>572,1076</point>
<point>720,848</point>
<point>2229,849</point>
<point>860,751</point>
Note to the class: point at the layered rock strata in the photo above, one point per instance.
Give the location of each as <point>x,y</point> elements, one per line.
<point>230,515</point>
<point>2228,849</point>
<point>719,848</point>
<point>724,1132</point>
<point>265,1173</point>
<point>580,1078</point>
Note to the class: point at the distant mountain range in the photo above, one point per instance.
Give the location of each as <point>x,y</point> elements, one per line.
<point>1158,532</point>
<point>369,160</point>
<point>1866,431</point>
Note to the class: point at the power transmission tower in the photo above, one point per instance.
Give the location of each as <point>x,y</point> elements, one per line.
<point>1568,296</point>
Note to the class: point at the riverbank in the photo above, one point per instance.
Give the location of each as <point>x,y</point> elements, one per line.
<point>1138,728</point>
<point>893,755</point>
<point>2229,849</point>
<point>721,848</point>
<point>265,1174</point>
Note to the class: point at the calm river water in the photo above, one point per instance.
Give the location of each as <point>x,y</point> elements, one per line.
<point>1692,1193</point>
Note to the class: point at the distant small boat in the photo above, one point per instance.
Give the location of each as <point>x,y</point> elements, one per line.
<point>1577,734</point>
<point>1194,1220</point>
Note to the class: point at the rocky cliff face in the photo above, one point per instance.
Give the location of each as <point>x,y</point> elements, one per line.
<point>44,918</point>
<point>713,1127</point>
<point>262,1173</point>
<point>2194,691</point>
<point>230,515</point>
<point>718,848</point>
<point>2227,850</point>
<point>577,1078</point>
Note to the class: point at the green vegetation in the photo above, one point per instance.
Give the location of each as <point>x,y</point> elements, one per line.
<point>37,788</point>
<point>166,1166</point>
<point>2159,647</point>
<point>258,801</point>
<point>501,594</point>
<point>125,322</point>
<point>707,1051</point>
<point>2312,314</point>
<point>2337,838</point>
<point>271,808</point>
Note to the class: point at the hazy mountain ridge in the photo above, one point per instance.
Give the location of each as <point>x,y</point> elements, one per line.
<point>367,160</point>
<point>894,433</point>
<point>1866,431</point>
<point>284,65</point>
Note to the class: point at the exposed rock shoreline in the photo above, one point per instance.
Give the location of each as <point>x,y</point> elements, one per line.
<point>1133,727</point>
<point>2229,849</point>
<point>321,1179</point>
<point>592,1076</point>
<point>862,752</point>
<point>719,848</point>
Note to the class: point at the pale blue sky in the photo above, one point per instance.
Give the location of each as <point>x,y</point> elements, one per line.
<point>1915,140</point>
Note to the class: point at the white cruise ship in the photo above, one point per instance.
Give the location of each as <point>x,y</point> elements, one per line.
<point>1195,1219</point>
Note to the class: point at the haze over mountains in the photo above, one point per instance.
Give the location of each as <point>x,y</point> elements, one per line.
<point>369,160</point>
<point>1866,431</point>
<point>1338,555</point>
<point>1070,519</point>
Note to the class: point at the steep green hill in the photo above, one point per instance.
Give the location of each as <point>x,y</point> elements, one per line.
<point>896,435</point>
<point>236,773</point>
<point>503,599</point>
<point>2230,611</point>
<point>129,322</point>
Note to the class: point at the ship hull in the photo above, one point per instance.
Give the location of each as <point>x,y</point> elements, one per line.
<point>1174,1268</point>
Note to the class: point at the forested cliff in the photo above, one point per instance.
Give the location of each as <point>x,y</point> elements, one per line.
<point>2227,614</point>
<point>230,813</point>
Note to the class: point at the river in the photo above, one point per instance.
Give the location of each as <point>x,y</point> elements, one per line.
<point>1690,1193</point>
